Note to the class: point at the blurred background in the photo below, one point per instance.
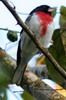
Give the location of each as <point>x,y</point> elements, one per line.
<point>7,24</point>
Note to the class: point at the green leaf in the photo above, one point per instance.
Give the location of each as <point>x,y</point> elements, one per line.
<point>57,51</point>
<point>62,23</point>
<point>3,94</point>
<point>58,45</point>
<point>62,61</point>
<point>27,96</point>
<point>12,36</point>
<point>54,75</point>
<point>39,59</point>
<point>62,20</point>
<point>63,10</point>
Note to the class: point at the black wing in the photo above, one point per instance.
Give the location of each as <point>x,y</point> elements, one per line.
<point>18,54</point>
<point>19,48</point>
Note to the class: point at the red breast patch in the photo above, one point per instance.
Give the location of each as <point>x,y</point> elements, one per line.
<point>45,20</point>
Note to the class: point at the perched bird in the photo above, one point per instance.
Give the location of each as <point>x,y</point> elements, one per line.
<point>41,23</point>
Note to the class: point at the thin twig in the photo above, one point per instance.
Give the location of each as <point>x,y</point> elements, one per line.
<point>6,29</point>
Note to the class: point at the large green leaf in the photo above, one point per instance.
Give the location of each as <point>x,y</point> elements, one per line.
<point>58,45</point>
<point>57,51</point>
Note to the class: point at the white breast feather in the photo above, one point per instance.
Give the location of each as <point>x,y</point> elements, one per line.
<point>34,24</point>
<point>35,27</point>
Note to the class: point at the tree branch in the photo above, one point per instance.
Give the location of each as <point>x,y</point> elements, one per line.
<point>36,87</point>
<point>6,29</point>
<point>35,40</point>
<point>39,89</point>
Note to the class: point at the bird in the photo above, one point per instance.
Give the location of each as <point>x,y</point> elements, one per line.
<point>41,23</point>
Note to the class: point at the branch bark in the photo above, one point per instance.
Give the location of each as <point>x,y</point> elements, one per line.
<point>35,40</point>
<point>36,87</point>
<point>39,89</point>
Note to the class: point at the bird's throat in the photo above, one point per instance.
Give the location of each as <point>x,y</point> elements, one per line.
<point>45,19</point>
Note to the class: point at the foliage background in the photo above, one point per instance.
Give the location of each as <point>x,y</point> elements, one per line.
<point>7,22</point>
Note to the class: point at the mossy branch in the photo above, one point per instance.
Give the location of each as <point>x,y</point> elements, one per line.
<point>36,87</point>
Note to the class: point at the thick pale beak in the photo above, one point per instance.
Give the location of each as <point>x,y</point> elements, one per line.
<point>51,9</point>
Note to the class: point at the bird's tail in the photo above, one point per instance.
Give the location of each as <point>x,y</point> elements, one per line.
<point>18,75</point>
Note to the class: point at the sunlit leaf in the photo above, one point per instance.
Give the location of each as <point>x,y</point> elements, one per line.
<point>63,10</point>
<point>62,20</point>
<point>40,60</point>
<point>62,92</point>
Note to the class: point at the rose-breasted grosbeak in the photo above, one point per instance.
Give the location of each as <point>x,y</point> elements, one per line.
<point>41,23</point>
